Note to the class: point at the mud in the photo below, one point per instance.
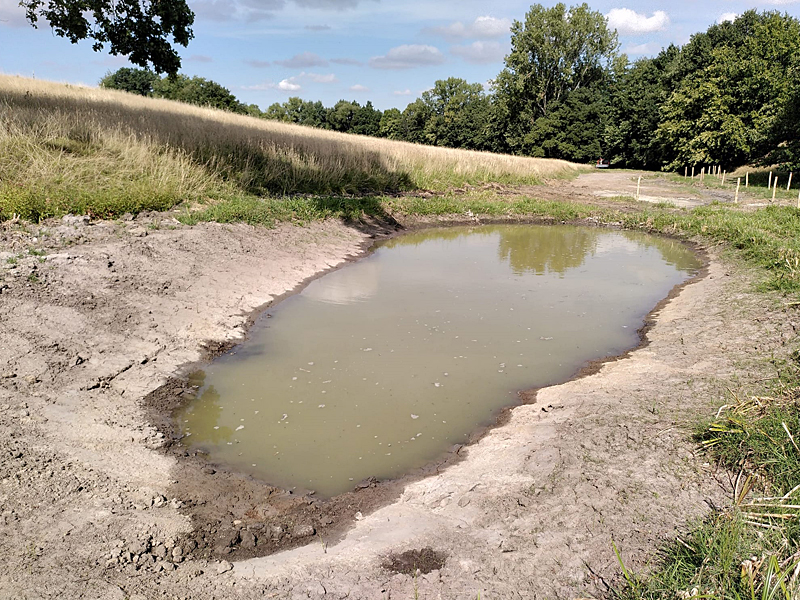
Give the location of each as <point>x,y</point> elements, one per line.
<point>97,501</point>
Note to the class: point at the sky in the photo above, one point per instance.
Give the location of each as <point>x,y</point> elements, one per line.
<point>386,51</point>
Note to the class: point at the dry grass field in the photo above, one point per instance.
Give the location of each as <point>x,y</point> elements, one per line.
<point>67,148</point>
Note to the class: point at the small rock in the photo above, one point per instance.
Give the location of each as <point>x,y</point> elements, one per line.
<point>223,567</point>
<point>177,552</point>
<point>138,232</point>
<point>249,539</point>
<point>302,531</point>
<point>276,531</point>
<point>463,501</point>
<point>160,551</point>
<point>75,220</point>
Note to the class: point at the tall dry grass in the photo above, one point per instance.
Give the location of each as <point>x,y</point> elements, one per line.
<point>70,148</point>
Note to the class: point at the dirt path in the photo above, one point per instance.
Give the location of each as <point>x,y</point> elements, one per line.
<point>94,504</point>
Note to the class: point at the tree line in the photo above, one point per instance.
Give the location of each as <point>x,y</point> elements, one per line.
<point>730,96</point>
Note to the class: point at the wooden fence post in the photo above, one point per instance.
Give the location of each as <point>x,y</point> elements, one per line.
<point>738,183</point>
<point>775,188</point>
<point>723,177</point>
<point>789,185</point>
<point>769,183</point>
<point>638,187</point>
<point>747,179</point>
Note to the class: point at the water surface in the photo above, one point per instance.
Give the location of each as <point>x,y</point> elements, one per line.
<point>377,368</point>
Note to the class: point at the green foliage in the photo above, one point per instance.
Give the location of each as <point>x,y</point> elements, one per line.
<point>137,29</point>
<point>555,51</point>
<point>135,81</point>
<point>572,130</point>
<point>197,90</point>
<point>727,97</point>
<point>759,439</point>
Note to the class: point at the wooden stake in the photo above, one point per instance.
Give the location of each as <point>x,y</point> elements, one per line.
<point>723,177</point>
<point>774,188</point>
<point>692,171</point>
<point>747,179</point>
<point>685,171</point>
<point>789,185</point>
<point>769,183</point>
<point>703,174</point>
<point>738,183</point>
<point>638,187</point>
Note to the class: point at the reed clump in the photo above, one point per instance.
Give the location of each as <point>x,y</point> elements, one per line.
<point>67,148</point>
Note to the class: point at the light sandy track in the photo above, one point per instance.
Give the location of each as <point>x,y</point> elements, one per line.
<point>86,494</point>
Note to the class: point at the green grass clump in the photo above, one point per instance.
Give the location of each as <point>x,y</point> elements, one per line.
<point>715,561</point>
<point>298,209</point>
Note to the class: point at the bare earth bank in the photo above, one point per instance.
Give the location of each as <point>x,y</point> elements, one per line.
<point>95,506</point>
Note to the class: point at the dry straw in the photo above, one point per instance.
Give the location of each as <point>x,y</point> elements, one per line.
<point>64,140</point>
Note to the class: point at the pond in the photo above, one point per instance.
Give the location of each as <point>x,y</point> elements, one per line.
<point>379,367</point>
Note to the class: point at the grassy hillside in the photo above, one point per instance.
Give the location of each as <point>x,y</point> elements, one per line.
<point>74,149</point>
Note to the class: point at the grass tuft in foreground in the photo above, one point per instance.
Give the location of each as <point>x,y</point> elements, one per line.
<point>750,549</point>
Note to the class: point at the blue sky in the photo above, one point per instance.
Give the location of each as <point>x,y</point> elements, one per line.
<point>387,51</point>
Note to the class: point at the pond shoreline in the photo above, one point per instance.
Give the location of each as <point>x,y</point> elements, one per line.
<point>289,512</point>
<point>97,502</point>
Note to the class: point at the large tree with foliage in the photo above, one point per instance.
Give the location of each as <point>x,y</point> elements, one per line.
<point>135,81</point>
<point>457,114</point>
<point>739,83</point>
<point>554,51</point>
<point>142,30</point>
<point>197,90</point>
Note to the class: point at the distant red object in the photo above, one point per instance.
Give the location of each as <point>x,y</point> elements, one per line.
<point>602,163</point>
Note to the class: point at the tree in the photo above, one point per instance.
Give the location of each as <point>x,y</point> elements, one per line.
<point>636,94</point>
<point>142,30</point>
<point>199,91</point>
<point>135,81</point>
<point>730,111</point>
<point>573,128</point>
<point>457,114</point>
<point>553,52</point>
<point>391,124</point>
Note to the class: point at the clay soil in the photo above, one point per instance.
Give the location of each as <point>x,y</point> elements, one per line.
<point>101,323</point>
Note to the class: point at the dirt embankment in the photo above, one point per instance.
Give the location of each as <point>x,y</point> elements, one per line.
<point>95,501</point>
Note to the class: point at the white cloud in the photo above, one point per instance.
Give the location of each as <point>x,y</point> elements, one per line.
<point>11,13</point>
<point>626,21</point>
<point>258,64</point>
<point>200,58</point>
<point>351,62</point>
<point>258,10</point>
<point>405,92</point>
<point>359,88</point>
<point>482,28</point>
<point>287,85</point>
<point>728,16</point>
<point>317,78</point>
<point>303,61</point>
<point>480,53</point>
<point>408,57</point>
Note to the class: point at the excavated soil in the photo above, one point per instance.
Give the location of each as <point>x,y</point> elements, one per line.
<point>101,322</point>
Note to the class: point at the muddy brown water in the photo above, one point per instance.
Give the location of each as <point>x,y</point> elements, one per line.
<point>379,367</point>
